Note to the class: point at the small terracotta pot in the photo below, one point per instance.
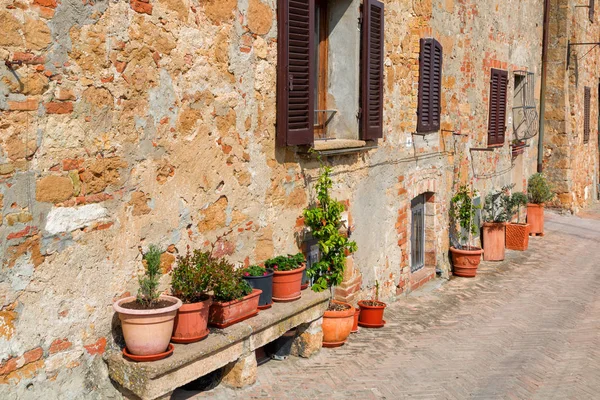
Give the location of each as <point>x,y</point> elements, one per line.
<point>517,236</point>
<point>287,284</point>
<point>191,322</point>
<point>355,325</point>
<point>494,237</point>
<point>535,218</point>
<point>226,314</point>
<point>371,315</point>
<point>147,332</point>
<point>337,326</point>
<point>465,262</point>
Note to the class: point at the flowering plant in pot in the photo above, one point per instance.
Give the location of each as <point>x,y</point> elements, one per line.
<point>539,193</point>
<point>371,311</point>
<point>287,276</point>
<point>325,220</point>
<point>260,278</point>
<point>234,300</point>
<point>495,215</point>
<point>190,282</point>
<point>147,320</point>
<point>517,233</point>
<point>465,256</point>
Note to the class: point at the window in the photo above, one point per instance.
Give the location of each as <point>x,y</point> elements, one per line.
<point>329,74</point>
<point>524,111</point>
<point>430,85</point>
<point>417,234</point>
<point>497,115</point>
<point>586,114</point>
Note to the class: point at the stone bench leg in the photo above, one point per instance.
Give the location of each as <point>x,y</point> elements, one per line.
<point>240,373</point>
<point>309,339</point>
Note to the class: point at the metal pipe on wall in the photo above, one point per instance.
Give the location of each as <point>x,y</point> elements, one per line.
<point>540,160</point>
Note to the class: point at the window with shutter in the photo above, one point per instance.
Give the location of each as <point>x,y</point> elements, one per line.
<point>497,113</point>
<point>586,114</point>
<point>430,85</point>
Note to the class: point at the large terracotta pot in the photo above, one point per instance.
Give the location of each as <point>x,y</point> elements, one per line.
<point>494,238</point>
<point>371,316</point>
<point>226,314</point>
<point>465,262</point>
<point>535,218</point>
<point>517,236</point>
<point>147,332</point>
<point>355,323</point>
<point>191,322</point>
<point>337,326</point>
<point>287,284</point>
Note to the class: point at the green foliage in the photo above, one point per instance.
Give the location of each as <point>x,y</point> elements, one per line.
<point>376,290</point>
<point>516,201</point>
<point>285,263</point>
<point>538,189</point>
<point>228,283</point>
<point>148,293</point>
<point>462,213</point>
<point>325,221</point>
<point>496,206</point>
<point>192,278</point>
<point>255,270</point>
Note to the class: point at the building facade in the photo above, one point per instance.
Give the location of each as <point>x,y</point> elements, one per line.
<point>178,122</point>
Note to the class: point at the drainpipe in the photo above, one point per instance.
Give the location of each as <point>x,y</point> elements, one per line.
<point>540,159</point>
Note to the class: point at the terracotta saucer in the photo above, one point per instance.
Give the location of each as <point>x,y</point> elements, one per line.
<point>365,325</point>
<point>190,340</point>
<point>286,300</point>
<point>333,344</point>
<point>152,357</point>
<point>304,286</point>
<point>266,306</point>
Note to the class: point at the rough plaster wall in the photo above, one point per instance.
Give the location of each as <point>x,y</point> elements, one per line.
<point>137,123</point>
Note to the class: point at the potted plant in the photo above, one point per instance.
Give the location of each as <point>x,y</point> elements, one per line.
<point>325,222</point>
<point>147,320</point>
<point>190,282</point>
<point>287,276</point>
<point>233,298</point>
<point>517,233</point>
<point>260,278</point>
<point>495,215</point>
<point>517,147</point>
<point>371,311</point>
<point>539,192</point>
<point>465,256</point>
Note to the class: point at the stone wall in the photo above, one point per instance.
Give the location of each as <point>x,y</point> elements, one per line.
<point>129,123</point>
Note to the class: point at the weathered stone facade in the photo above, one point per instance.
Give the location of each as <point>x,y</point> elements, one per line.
<point>129,123</point>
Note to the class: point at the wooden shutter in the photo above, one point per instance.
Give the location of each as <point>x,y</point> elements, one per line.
<point>430,86</point>
<point>295,78</point>
<point>372,70</point>
<point>586,114</point>
<point>497,117</point>
<point>591,11</point>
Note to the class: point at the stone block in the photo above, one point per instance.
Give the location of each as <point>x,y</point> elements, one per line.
<point>309,339</point>
<point>241,372</point>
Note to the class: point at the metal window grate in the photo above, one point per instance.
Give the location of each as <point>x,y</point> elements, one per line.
<point>525,115</point>
<point>417,238</point>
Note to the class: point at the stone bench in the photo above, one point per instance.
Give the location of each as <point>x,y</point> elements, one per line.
<point>232,348</point>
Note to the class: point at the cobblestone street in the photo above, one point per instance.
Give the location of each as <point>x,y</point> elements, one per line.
<point>526,328</point>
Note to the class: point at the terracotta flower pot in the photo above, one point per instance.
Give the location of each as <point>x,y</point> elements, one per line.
<point>226,314</point>
<point>494,237</point>
<point>465,262</point>
<point>355,324</point>
<point>287,284</point>
<point>535,218</point>
<point>371,316</point>
<point>337,326</point>
<point>147,332</point>
<point>191,322</point>
<point>517,236</point>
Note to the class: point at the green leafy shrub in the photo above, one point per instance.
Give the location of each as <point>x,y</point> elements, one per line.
<point>325,221</point>
<point>496,206</point>
<point>516,201</point>
<point>462,214</point>
<point>538,189</point>
<point>193,276</point>
<point>228,283</point>
<point>285,263</point>
<point>255,270</point>
<point>148,293</point>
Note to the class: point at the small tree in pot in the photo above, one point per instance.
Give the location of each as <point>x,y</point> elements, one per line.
<point>465,256</point>
<point>495,215</point>
<point>539,192</point>
<point>325,221</point>
<point>371,311</point>
<point>517,234</point>
<point>147,320</point>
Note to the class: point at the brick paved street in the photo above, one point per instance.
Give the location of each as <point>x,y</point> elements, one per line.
<point>527,328</point>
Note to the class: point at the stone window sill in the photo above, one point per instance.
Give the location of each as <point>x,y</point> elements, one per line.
<point>342,146</point>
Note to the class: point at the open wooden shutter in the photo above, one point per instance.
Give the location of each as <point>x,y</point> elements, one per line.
<point>497,117</point>
<point>430,85</point>
<point>586,114</point>
<point>372,70</point>
<point>295,103</point>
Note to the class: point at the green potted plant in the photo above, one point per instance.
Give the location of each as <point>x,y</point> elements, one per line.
<point>539,192</point>
<point>233,298</point>
<point>287,276</point>
<point>260,278</point>
<point>371,311</point>
<point>465,256</point>
<point>495,215</point>
<point>147,320</point>
<point>517,233</point>
<point>325,222</point>
<point>191,281</point>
